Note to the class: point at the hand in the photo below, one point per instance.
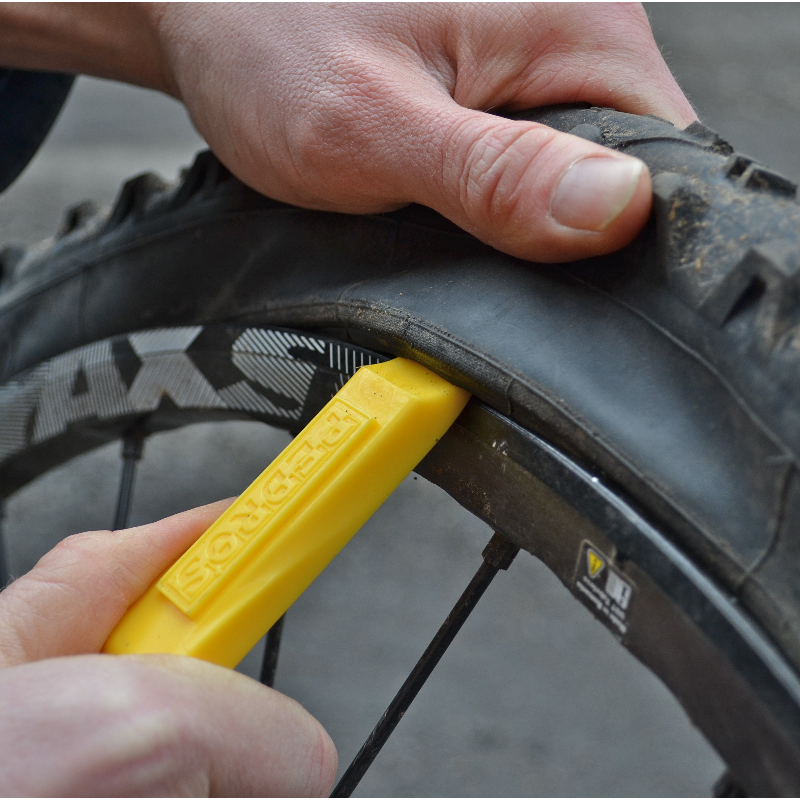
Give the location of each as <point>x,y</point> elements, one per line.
<point>72,723</point>
<point>364,108</point>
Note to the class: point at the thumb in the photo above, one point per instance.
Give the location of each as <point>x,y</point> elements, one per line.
<point>69,603</point>
<point>526,189</point>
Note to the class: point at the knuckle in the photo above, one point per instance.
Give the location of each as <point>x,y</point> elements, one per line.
<point>343,121</point>
<point>495,175</point>
<point>74,549</point>
<point>146,738</point>
<point>79,541</point>
<point>152,715</point>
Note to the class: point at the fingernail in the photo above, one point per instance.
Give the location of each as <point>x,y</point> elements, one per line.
<point>593,192</point>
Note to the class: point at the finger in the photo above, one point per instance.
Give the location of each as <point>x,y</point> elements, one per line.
<point>130,726</point>
<point>519,186</point>
<point>553,53</point>
<point>404,124</point>
<point>71,600</point>
<point>522,187</point>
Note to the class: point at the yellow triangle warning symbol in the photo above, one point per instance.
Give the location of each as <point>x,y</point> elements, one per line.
<point>594,562</point>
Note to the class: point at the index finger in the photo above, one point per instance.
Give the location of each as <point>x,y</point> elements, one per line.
<point>71,600</point>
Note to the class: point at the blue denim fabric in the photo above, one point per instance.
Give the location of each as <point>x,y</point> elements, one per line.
<point>29,105</point>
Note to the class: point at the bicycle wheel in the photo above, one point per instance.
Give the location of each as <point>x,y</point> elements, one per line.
<point>635,417</point>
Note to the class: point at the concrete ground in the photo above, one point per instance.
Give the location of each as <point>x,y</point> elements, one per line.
<point>534,697</point>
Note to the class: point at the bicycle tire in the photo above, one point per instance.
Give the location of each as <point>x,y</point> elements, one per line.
<point>646,403</point>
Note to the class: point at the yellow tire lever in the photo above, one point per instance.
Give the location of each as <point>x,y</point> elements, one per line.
<point>222,595</point>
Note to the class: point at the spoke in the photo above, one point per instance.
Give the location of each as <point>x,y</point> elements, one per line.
<point>499,554</point>
<point>271,649</point>
<point>132,446</point>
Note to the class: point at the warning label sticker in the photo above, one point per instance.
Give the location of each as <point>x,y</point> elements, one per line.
<point>603,588</point>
